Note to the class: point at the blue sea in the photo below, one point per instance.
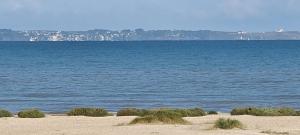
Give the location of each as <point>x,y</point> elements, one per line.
<point>214,75</point>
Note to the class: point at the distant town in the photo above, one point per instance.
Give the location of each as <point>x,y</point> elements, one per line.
<point>142,35</point>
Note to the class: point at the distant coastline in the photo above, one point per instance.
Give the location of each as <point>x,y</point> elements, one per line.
<point>143,35</point>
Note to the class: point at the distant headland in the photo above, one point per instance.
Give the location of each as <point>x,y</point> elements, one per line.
<point>142,35</point>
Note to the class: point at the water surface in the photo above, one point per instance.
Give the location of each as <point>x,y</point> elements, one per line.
<point>215,75</point>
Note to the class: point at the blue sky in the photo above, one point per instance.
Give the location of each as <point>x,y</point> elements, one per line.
<point>225,15</point>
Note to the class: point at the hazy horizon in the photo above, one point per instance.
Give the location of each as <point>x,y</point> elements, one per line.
<point>119,30</point>
<point>217,15</point>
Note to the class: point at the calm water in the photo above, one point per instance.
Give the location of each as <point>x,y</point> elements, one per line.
<point>215,75</point>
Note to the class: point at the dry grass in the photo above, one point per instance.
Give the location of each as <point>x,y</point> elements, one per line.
<point>195,112</point>
<point>264,111</point>
<point>91,112</point>
<point>32,113</point>
<point>223,123</point>
<point>5,113</point>
<point>161,116</point>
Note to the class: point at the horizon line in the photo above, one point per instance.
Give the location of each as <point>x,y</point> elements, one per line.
<point>277,30</point>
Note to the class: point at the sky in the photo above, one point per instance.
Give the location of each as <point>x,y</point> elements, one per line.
<point>221,15</point>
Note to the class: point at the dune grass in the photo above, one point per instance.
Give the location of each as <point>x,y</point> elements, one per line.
<point>31,113</point>
<point>160,116</point>
<point>297,113</point>
<point>195,112</point>
<point>5,113</point>
<point>133,112</point>
<point>212,113</point>
<point>223,123</point>
<point>91,112</point>
<point>264,111</point>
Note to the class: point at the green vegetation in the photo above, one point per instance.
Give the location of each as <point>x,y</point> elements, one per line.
<point>33,113</point>
<point>133,112</point>
<point>160,116</point>
<point>212,112</point>
<point>4,113</point>
<point>223,123</point>
<point>264,111</point>
<point>195,112</point>
<point>91,112</point>
<point>297,113</point>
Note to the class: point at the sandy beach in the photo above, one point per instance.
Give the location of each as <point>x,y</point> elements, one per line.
<point>65,125</point>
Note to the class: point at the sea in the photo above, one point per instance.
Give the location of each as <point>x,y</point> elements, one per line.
<point>213,75</point>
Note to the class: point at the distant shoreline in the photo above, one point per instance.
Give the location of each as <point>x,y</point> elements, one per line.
<point>283,40</point>
<point>142,35</point>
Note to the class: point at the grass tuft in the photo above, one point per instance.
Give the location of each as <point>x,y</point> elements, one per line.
<point>264,111</point>
<point>91,112</point>
<point>297,113</point>
<point>161,116</point>
<point>5,113</point>
<point>223,123</point>
<point>195,112</point>
<point>212,113</point>
<point>133,112</point>
<point>33,113</point>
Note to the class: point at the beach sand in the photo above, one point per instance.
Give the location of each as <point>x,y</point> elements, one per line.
<point>65,125</point>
